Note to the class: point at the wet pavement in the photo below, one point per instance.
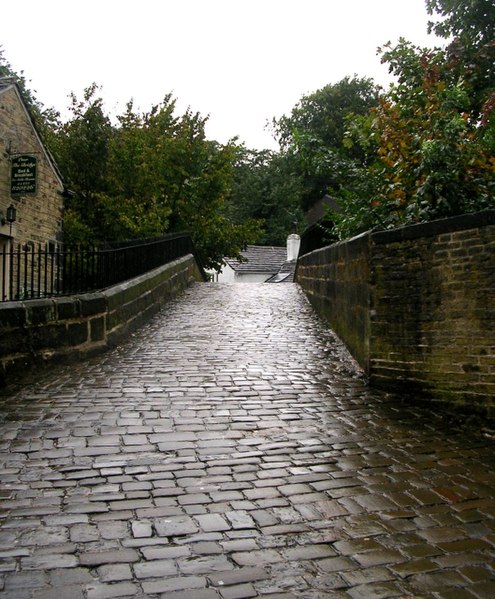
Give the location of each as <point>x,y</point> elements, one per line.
<point>229,450</point>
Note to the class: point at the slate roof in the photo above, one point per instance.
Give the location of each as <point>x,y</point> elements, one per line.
<point>318,210</point>
<point>259,259</point>
<point>285,274</point>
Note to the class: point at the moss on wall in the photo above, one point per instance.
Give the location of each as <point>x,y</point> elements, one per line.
<point>38,331</point>
<point>415,306</point>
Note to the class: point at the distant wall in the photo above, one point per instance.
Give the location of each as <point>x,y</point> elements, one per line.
<point>416,306</point>
<point>229,275</point>
<point>38,331</point>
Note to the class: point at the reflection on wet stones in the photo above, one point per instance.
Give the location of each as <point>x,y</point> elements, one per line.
<point>231,448</point>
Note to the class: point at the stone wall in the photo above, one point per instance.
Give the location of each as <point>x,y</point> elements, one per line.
<point>336,280</point>
<point>38,331</point>
<point>425,295</point>
<point>39,215</point>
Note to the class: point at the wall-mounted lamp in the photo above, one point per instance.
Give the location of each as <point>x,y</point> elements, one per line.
<point>11,216</point>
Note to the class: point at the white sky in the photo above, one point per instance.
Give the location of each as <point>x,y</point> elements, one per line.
<point>240,61</point>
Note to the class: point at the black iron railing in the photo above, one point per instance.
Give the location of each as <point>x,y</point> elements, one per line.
<point>33,271</point>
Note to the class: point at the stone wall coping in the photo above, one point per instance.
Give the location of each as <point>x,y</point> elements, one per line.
<point>72,327</point>
<point>442,226</point>
<point>434,228</point>
<point>357,240</point>
<point>87,304</point>
<point>413,306</point>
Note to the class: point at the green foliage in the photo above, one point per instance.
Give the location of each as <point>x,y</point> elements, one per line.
<point>473,21</point>
<point>81,148</point>
<point>431,145</point>
<point>203,210</point>
<point>423,150</point>
<point>428,146</point>
<point>150,174</point>
<point>75,229</point>
<point>430,155</point>
<point>264,189</point>
<point>471,28</point>
<point>144,176</point>
<point>313,136</point>
<point>322,114</point>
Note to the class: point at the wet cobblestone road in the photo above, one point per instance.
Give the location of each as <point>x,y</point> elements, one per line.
<point>229,450</point>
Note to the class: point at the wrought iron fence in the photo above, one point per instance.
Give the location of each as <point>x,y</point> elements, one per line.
<point>29,271</point>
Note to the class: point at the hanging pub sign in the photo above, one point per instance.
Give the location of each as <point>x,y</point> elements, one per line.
<point>23,174</point>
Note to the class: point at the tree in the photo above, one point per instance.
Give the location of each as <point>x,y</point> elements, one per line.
<point>81,148</point>
<point>442,159</point>
<point>264,189</point>
<point>313,136</point>
<point>150,174</point>
<point>323,113</point>
<point>472,22</point>
<point>471,28</point>
<point>202,207</point>
<point>429,155</point>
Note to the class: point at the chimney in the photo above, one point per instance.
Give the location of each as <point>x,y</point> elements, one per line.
<point>293,244</point>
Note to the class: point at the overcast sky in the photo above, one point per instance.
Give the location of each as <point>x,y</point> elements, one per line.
<point>241,62</point>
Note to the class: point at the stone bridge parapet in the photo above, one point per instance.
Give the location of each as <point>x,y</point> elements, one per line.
<point>37,331</point>
<point>415,306</point>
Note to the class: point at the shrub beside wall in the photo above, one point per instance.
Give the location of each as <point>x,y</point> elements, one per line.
<point>37,331</point>
<point>426,305</point>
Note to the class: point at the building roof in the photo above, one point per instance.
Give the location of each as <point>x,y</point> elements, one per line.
<point>259,259</point>
<point>320,208</point>
<point>285,274</point>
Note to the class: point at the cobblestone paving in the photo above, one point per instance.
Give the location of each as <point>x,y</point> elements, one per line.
<point>229,450</point>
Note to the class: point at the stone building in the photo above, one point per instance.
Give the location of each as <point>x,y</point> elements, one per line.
<point>31,187</point>
<point>262,264</point>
